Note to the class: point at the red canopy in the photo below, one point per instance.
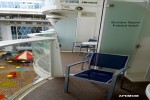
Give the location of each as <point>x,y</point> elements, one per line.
<point>26,55</point>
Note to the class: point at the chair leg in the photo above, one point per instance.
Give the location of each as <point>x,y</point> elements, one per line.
<point>66,84</point>
<point>73,48</point>
<point>66,80</point>
<point>82,66</point>
<point>80,51</point>
<point>83,63</point>
<point>112,87</point>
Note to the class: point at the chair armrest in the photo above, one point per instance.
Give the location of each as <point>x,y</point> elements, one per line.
<point>68,66</point>
<point>77,63</point>
<point>120,71</point>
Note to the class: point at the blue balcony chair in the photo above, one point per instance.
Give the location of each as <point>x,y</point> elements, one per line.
<point>111,61</point>
<point>80,46</point>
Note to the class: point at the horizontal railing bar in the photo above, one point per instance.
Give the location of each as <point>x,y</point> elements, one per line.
<point>35,34</point>
<point>19,41</point>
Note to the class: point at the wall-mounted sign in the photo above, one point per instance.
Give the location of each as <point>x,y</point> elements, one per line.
<point>125,23</point>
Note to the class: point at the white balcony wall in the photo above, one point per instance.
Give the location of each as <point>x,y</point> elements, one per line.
<point>85,28</point>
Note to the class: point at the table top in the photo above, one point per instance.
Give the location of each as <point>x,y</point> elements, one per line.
<point>89,43</point>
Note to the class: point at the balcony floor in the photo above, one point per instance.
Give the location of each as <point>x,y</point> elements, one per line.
<point>83,90</point>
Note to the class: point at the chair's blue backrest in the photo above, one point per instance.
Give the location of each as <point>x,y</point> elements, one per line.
<point>109,60</point>
<point>92,40</point>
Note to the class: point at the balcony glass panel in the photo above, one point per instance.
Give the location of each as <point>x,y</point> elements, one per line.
<point>41,51</point>
<point>15,75</point>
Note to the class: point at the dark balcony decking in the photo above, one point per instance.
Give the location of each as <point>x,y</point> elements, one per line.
<point>83,90</point>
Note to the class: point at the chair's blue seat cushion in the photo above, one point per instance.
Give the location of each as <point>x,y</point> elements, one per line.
<point>96,75</point>
<point>83,46</point>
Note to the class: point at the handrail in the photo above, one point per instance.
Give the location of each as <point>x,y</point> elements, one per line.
<point>19,41</point>
<point>43,32</point>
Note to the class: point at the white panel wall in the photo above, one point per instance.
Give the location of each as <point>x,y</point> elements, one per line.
<point>6,34</point>
<point>86,28</point>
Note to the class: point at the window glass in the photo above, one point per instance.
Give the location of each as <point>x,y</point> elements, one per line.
<point>36,5</point>
<point>45,28</point>
<point>4,4</point>
<point>23,6</point>
<point>20,32</point>
<point>30,6</point>
<point>0,5</point>
<point>10,5</point>
<point>17,4</point>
